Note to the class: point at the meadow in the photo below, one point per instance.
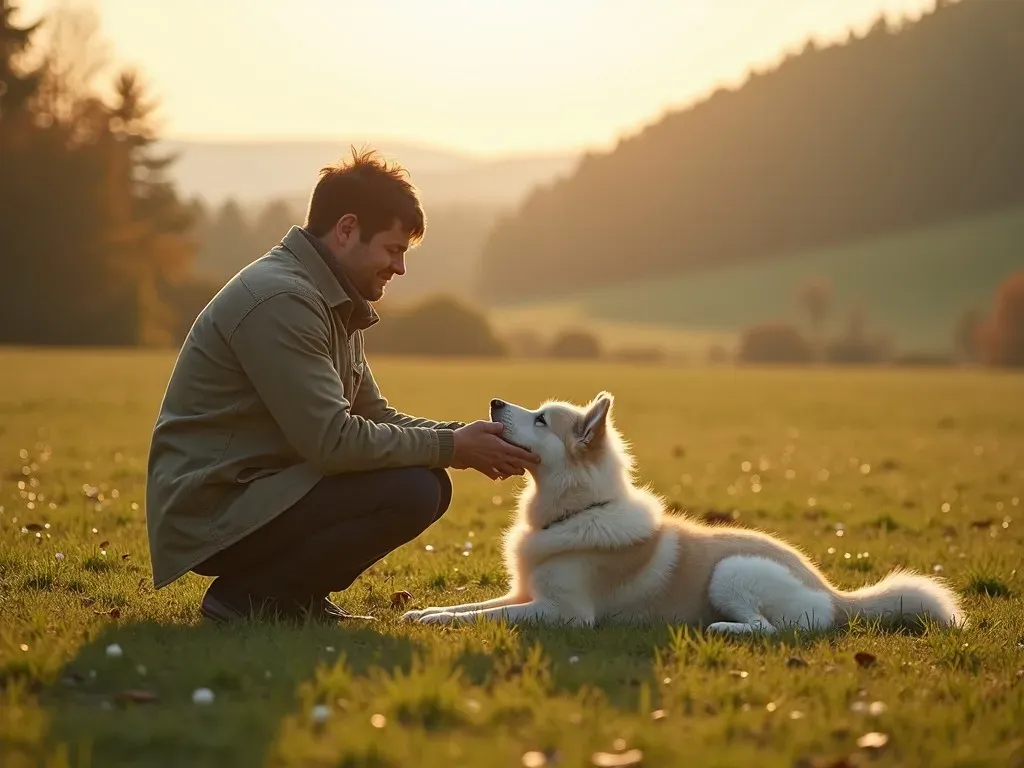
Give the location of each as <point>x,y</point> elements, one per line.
<point>864,469</point>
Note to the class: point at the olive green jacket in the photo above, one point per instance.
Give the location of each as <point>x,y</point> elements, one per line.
<point>270,392</point>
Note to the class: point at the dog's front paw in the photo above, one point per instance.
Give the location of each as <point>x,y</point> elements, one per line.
<point>438,618</point>
<point>411,615</point>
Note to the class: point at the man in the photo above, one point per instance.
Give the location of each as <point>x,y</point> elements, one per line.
<point>276,465</point>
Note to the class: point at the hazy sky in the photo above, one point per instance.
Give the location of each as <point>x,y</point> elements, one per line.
<point>487,76</point>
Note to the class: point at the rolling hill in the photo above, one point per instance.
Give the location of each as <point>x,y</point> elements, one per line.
<point>914,286</point>
<point>255,172</point>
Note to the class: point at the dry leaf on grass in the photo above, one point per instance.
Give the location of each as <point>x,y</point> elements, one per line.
<point>400,598</point>
<point>136,696</point>
<point>864,659</point>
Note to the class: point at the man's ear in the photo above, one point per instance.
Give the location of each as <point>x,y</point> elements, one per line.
<point>595,421</point>
<point>346,228</point>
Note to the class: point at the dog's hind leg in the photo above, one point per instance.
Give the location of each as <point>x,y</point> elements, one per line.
<point>756,594</point>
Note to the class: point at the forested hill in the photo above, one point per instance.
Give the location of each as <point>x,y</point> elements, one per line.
<point>897,128</point>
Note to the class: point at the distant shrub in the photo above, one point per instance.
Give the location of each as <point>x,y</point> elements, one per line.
<point>575,344</point>
<point>437,327</point>
<point>850,351</point>
<point>855,345</point>
<point>525,343</point>
<point>774,342</point>
<point>1001,339</point>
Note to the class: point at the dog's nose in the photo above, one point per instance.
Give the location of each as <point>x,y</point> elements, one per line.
<point>496,403</point>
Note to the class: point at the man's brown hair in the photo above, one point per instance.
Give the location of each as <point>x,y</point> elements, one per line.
<point>375,191</point>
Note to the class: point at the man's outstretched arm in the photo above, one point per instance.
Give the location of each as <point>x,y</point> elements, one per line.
<point>371,404</point>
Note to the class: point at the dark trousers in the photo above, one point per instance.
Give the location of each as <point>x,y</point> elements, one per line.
<point>344,525</point>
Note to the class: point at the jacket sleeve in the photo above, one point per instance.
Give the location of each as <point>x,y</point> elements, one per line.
<point>283,345</point>
<point>370,403</point>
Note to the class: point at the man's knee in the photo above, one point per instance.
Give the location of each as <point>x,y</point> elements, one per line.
<point>423,495</point>
<point>444,482</point>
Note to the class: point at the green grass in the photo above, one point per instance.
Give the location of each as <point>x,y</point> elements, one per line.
<point>915,468</point>
<point>913,285</point>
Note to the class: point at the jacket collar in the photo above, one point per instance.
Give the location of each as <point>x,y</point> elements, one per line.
<point>332,281</point>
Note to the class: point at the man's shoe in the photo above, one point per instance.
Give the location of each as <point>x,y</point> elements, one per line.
<point>223,605</point>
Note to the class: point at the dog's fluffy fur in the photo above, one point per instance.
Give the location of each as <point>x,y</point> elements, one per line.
<point>589,545</point>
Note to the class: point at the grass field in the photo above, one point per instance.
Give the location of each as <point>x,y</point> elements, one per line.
<point>913,285</point>
<point>864,469</point>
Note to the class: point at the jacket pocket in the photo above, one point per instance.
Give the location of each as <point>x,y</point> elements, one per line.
<point>253,473</point>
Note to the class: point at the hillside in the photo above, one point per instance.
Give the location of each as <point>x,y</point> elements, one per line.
<point>256,172</point>
<point>914,286</point>
<point>901,128</point>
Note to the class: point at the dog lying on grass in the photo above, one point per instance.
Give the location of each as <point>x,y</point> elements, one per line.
<point>589,545</point>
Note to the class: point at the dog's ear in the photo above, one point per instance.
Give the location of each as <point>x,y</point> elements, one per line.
<point>595,420</point>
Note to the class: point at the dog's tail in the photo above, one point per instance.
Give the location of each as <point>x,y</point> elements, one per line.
<point>900,596</point>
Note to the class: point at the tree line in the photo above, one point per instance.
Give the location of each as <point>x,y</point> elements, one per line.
<point>92,232</point>
<point>899,127</point>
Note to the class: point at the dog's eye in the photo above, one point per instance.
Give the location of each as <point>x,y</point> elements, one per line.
<point>539,421</point>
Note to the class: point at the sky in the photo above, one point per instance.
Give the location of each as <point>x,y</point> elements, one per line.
<point>489,77</point>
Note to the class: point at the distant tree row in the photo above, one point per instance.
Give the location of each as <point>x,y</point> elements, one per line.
<point>91,230</point>
<point>897,128</point>
<point>995,338</point>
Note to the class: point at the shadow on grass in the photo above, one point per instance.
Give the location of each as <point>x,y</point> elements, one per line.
<point>101,714</point>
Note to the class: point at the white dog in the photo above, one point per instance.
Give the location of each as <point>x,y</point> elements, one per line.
<point>588,545</point>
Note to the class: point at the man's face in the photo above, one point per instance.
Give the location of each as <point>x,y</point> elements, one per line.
<point>370,266</point>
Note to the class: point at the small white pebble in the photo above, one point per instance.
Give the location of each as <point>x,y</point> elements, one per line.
<point>59,555</point>
<point>937,568</point>
<point>468,545</point>
<point>378,721</point>
<point>320,713</point>
<point>114,651</point>
<point>877,708</point>
<point>329,649</point>
<point>95,531</point>
<point>202,696</point>
<point>574,659</point>
<point>429,547</point>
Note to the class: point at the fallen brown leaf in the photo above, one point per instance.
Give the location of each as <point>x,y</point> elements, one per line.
<point>137,696</point>
<point>400,598</point>
<point>33,527</point>
<point>104,544</point>
<point>125,556</point>
<point>114,613</point>
<point>864,659</point>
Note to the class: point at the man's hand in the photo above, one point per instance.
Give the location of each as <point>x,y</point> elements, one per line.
<point>478,446</point>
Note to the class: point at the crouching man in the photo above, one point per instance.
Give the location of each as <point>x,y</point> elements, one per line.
<point>276,465</point>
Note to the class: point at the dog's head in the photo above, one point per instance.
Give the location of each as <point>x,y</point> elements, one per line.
<point>568,438</point>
